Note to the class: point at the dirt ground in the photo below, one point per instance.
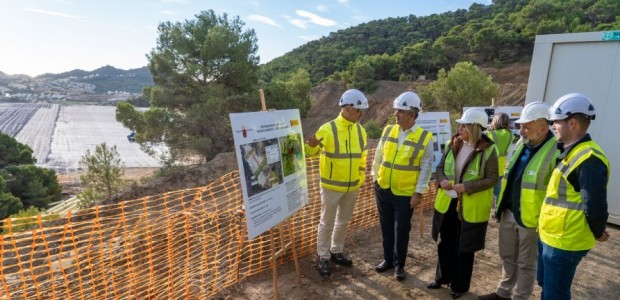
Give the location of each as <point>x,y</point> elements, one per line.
<point>597,277</point>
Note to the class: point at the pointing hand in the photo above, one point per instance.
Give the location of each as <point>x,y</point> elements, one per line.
<point>313,142</point>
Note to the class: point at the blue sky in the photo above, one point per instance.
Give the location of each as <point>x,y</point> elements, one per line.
<point>53,36</point>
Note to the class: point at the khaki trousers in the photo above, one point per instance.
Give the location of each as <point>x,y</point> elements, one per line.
<point>518,250</point>
<point>336,211</point>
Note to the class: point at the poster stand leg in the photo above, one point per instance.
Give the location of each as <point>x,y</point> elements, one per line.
<point>275,255</point>
<point>273,267</point>
<point>293,248</point>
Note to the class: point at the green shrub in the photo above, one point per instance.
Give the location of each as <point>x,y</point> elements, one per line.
<point>26,218</point>
<point>373,130</point>
<point>88,197</point>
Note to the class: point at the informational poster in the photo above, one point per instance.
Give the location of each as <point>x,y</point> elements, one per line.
<point>438,123</point>
<point>272,166</point>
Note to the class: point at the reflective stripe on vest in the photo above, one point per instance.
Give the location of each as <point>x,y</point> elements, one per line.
<point>341,166</point>
<point>400,166</point>
<point>477,206</point>
<point>563,223</point>
<point>534,180</point>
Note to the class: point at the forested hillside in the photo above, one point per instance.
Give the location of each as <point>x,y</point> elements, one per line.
<point>208,67</point>
<point>405,47</point>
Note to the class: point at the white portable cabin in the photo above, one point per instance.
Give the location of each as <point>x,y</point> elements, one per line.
<point>587,63</point>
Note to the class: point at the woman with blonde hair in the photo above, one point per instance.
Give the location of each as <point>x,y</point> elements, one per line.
<point>466,174</point>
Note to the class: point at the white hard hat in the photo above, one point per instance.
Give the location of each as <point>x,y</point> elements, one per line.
<point>569,104</point>
<point>354,98</point>
<point>533,111</point>
<point>407,101</point>
<point>474,116</point>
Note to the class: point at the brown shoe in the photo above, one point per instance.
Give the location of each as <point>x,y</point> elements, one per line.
<point>492,296</point>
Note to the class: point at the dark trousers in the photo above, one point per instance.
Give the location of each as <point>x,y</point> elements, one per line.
<point>395,214</point>
<point>454,267</point>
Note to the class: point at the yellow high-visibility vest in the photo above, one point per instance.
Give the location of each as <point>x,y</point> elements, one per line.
<point>563,223</point>
<point>342,164</point>
<point>400,165</point>
<point>534,180</point>
<point>502,138</point>
<point>476,207</point>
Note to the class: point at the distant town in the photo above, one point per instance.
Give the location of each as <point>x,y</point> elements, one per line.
<point>106,84</point>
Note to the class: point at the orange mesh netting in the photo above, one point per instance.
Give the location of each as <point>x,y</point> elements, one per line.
<point>186,244</point>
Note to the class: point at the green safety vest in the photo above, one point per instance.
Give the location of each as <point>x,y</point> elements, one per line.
<point>534,180</point>
<point>342,164</point>
<point>502,138</point>
<point>400,166</point>
<point>563,223</point>
<point>476,207</point>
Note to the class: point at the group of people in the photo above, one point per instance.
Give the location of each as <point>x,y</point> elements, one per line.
<point>551,191</point>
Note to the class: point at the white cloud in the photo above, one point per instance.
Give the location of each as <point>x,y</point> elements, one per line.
<point>264,20</point>
<point>343,1</point>
<point>321,7</point>
<point>299,23</point>
<point>310,18</point>
<point>316,19</point>
<point>53,13</point>
<point>167,12</point>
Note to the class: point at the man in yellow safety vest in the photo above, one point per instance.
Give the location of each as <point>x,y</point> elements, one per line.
<point>574,213</point>
<point>518,207</point>
<point>401,169</point>
<point>342,168</point>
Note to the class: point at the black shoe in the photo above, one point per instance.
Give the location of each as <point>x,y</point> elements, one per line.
<point>383,266</point>
<point>434,285</point>
<point>399,273</point>
<point>492,296</point>
<point>456,295</point>
<point>323,268</point>
<point>340,259</point>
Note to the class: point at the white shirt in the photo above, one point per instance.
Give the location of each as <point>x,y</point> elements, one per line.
<point>461,159</point>
<point>426,163</point>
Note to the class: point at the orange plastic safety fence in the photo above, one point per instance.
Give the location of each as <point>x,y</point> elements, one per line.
<point>186,244</point>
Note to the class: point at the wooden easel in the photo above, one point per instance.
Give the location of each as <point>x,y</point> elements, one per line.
<point>291,243</point>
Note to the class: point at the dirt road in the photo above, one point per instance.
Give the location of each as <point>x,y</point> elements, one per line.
<point>598,275</point>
